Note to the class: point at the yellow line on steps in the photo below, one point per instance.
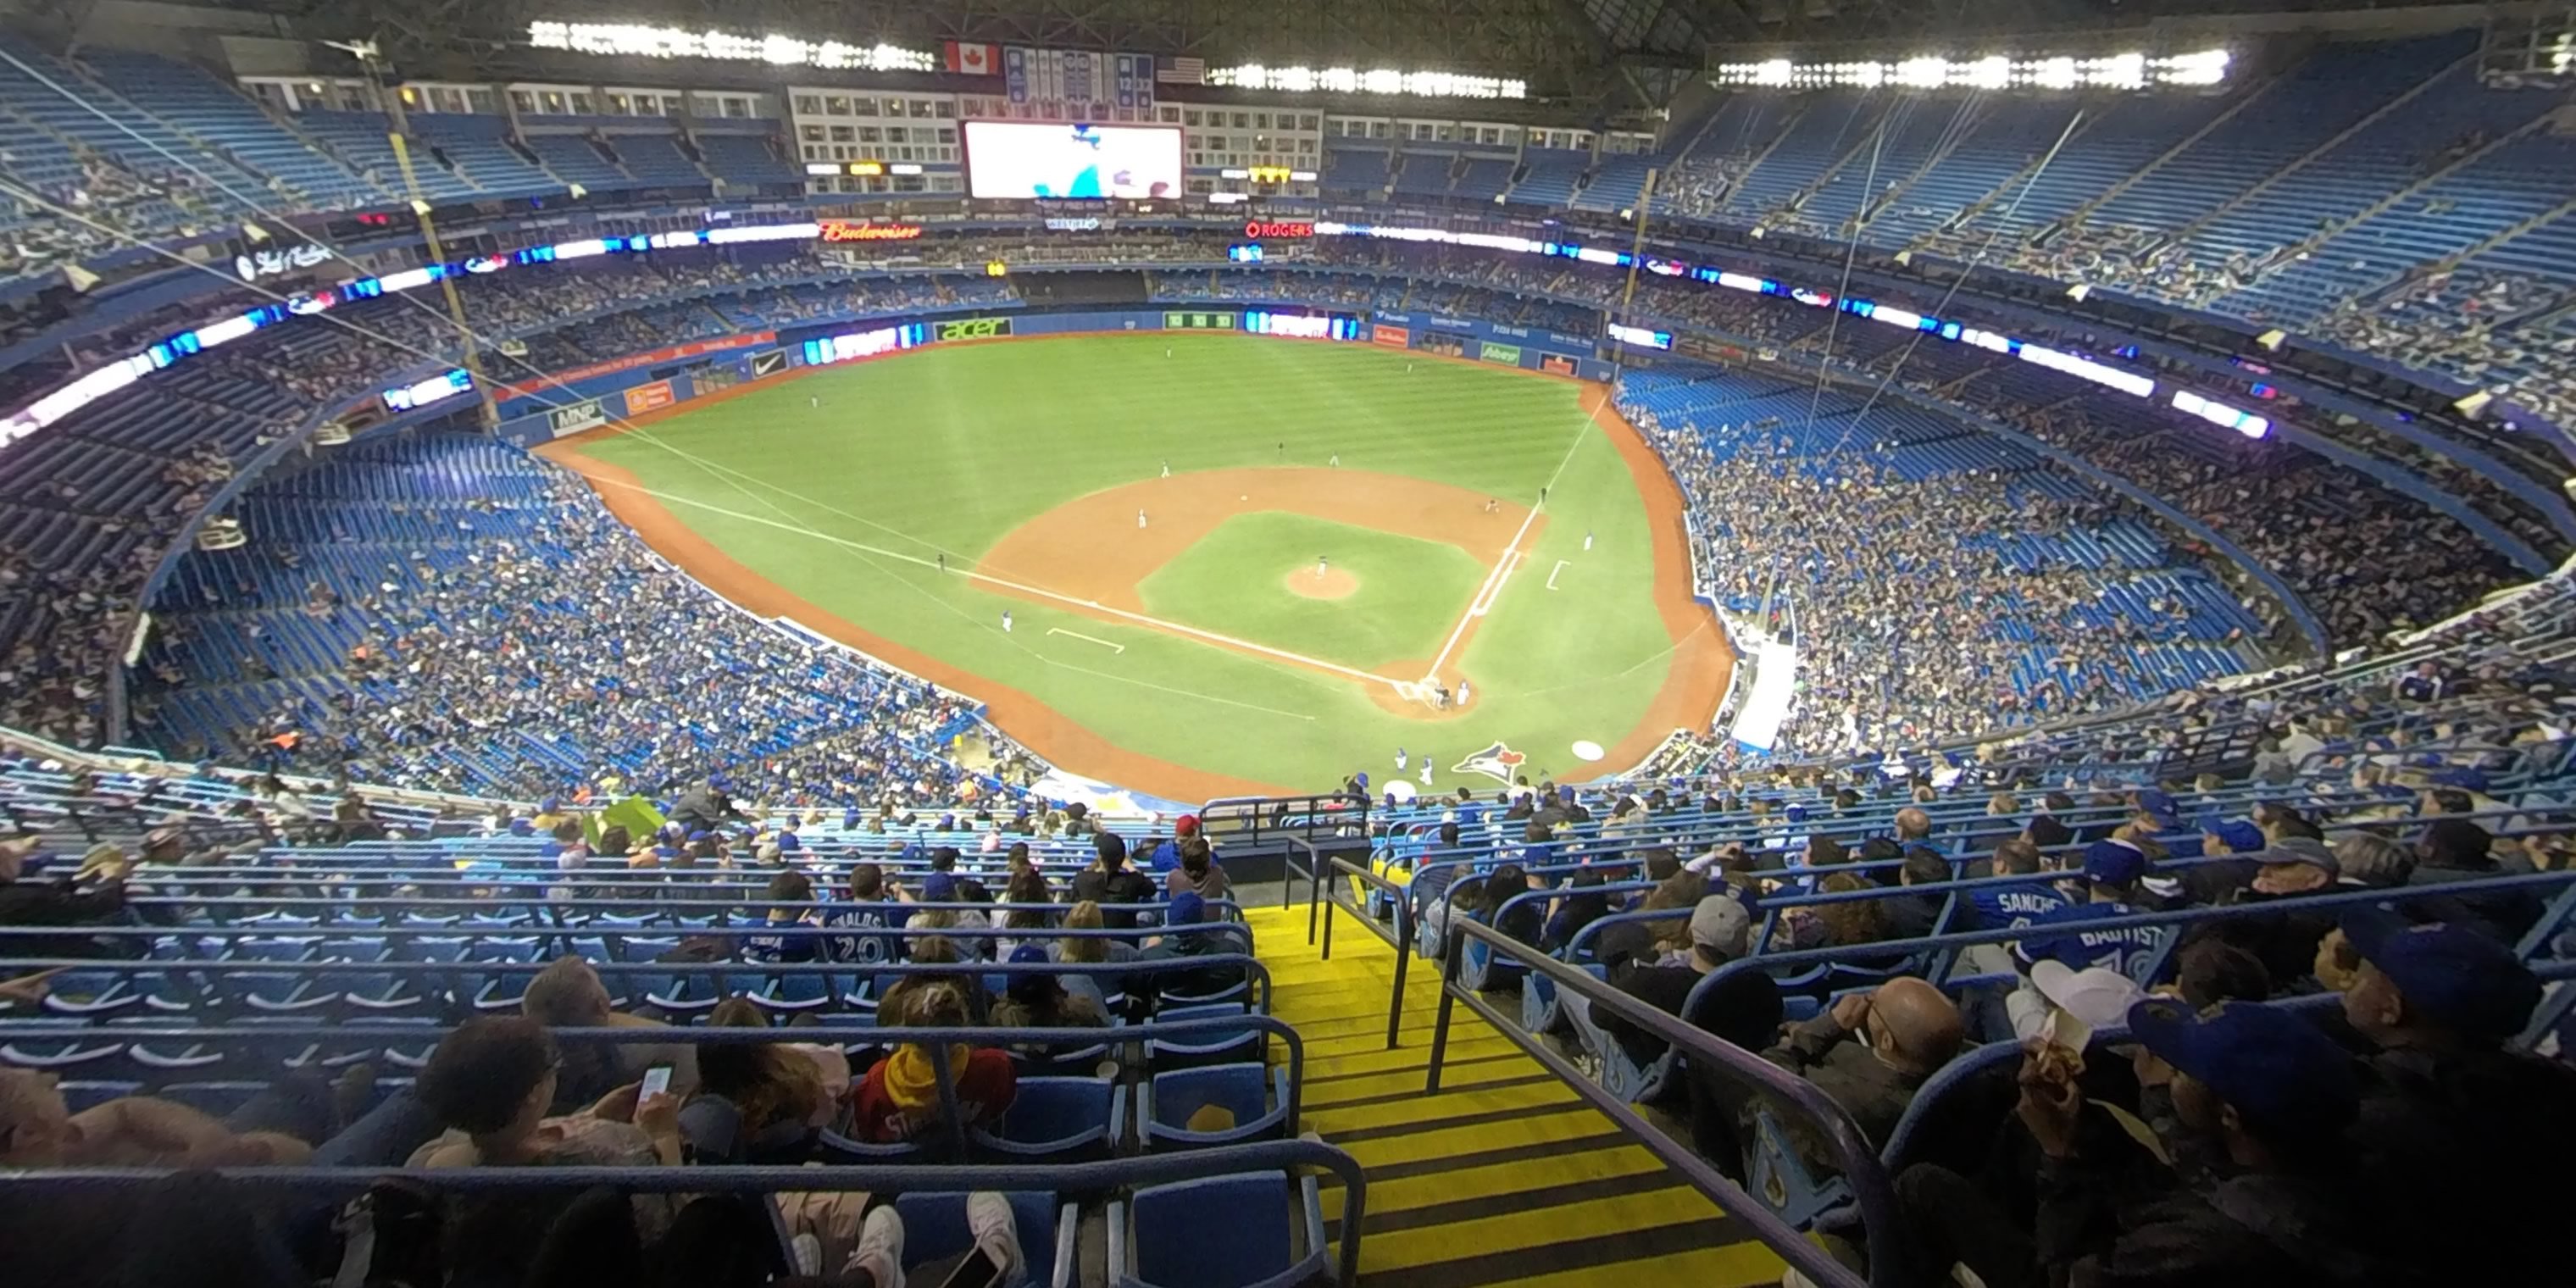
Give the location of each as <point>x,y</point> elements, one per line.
<point>1606,1217</point>
<point>1536,1096</point>
<point>1499,1178</point>
<point>1734,1265</point>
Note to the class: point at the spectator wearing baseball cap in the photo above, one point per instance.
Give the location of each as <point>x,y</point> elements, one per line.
<point>2449,1105</point>
<point>2112,871</point>
<point>1187,910</point>
<point>1721,930</point>
<point>2285,942</point>
<point>1167,856</point>
<point>2273,1095</point>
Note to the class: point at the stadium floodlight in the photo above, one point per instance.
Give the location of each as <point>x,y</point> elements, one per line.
<point>2208,67</point>
<point>633,40</point>
<point>1346,80</point>
<point>1990,72</point>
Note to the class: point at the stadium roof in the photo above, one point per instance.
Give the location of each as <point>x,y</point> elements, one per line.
<point>1584,51</point>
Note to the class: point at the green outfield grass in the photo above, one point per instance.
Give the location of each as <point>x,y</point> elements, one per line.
<point>1410,591</point>
<point>849,503</point>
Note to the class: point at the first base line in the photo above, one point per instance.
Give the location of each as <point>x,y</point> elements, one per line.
<point>1093,639</point>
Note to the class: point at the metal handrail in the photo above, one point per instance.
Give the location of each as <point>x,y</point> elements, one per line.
<point>1257,979</point>
<point>1058,1178</point>
<point>1401,938</point>
<point>1858,1161</point>
<point>1289,873</point>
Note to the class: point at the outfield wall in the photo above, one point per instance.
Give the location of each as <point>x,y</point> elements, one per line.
<point>536,410</point>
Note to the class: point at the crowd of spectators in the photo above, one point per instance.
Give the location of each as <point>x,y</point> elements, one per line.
<point>1908,631</point>
<point>2248,1142</point>
<point>543,618</point>
<point>513,1088</point>
<point>2366,560</point>
<point>570,314</point>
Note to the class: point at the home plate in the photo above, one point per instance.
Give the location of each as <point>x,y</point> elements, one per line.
<point>1588,750</point>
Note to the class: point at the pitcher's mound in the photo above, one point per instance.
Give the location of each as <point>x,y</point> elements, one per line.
<point>1332,583</point>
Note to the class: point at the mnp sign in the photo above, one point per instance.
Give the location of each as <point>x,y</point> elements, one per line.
<point>576,418</point>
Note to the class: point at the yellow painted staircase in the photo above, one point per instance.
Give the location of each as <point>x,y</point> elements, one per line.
<point>1505,1176</point>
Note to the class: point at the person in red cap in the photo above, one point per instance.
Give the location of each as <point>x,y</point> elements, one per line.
<point>1167,855</point>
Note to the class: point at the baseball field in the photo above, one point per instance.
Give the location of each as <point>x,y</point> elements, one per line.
<point>1206,564</point>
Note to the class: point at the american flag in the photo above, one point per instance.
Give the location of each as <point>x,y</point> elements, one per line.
<point>1180,71</point>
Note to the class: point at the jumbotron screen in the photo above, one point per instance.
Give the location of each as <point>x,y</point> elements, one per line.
<point>1027,159</point>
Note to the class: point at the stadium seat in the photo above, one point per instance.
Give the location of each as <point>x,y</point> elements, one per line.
<point>1272,1237</point>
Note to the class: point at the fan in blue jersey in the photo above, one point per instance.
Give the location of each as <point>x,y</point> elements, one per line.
<point>785,888</point>
<point>867,892</point>
<point>2112,870</point>
<point>2010,907</point>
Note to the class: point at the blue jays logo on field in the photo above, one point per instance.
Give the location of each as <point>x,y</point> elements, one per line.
<point>1497,761</point>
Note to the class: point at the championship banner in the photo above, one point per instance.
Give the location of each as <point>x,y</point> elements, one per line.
<point>1198,321</point>
<point>1077,84</point>
<point>1558,363</point>
<point>654,358</point>
<point>1394,337</point>
<point>576,418</point>
<point>1507,354</point>
<point>971,329</point>
<point>647,397</point>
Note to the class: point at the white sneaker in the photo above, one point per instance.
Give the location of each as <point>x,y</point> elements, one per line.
<point>806,1251</point>
<point>880,1250</point>
<point>997,1233</point>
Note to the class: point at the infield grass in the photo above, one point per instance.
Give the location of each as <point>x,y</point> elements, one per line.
<point>848,504</point>
<point>1236,580</point>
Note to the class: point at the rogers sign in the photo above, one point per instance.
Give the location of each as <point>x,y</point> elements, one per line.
<point>1259,228</point>
<point>847,230</point>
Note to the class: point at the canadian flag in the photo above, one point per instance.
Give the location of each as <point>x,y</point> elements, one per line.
<point>974,60</point>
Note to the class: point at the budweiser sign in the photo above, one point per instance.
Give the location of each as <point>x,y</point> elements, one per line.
<point>852,230</point>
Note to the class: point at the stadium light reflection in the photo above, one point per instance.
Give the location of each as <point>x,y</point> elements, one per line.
<point>1350,80</point>
<point>634,40</point>
<point>2131,70</point>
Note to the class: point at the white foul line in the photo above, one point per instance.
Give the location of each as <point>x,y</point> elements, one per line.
<point>1038,591</point>
<point>1552,572</point>
<point>1090,639</point>
<point>1486,601</point>
<point>1503,565</point>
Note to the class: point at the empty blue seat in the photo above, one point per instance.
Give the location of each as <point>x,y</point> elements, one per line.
<point>1057,1120</point>
<point>1271,1234</point>
<point>1217,1047</point>
<point>1254,1097</point>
